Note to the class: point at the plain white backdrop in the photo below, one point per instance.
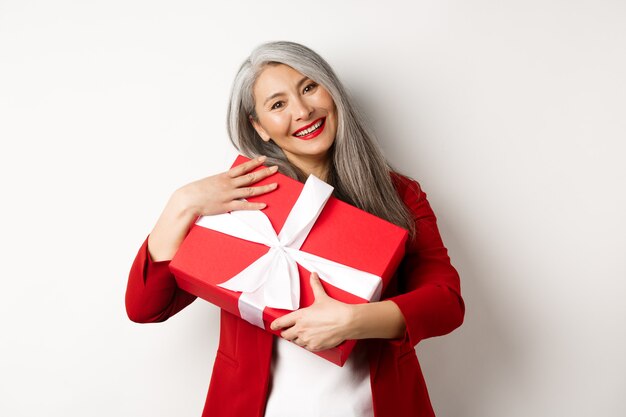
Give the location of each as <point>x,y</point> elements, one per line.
<point>511,114</point>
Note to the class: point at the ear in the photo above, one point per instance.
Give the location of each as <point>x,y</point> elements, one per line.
<point>259,129</point>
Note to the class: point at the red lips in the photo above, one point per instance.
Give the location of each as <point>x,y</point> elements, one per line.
<point>314,133</point>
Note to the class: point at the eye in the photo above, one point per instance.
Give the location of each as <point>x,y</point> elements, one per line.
<point>309,87</point>
<point>277,105</point>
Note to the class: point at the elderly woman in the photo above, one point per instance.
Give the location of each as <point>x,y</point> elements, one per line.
<point>289,112</point>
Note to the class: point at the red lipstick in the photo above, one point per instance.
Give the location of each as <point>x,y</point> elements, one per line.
<point>313,134</point>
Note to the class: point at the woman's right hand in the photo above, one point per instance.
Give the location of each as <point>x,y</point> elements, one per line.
<point>224,192</point>
<point>216,194</point>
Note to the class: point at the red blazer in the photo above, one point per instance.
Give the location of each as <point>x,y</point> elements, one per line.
<point>426,289</point>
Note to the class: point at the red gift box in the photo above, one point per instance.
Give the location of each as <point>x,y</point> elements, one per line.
<point>342,233</point>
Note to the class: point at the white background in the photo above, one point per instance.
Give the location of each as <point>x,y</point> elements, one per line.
<point>510,114</point>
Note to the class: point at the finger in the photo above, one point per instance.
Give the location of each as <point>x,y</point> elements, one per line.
<point>239,170</point>
<point>316,286</point>
<point>252,191</point>
<point>254,176</point>
<point>289,334</point>
<point>244,205</point>
<point>299,342</point>
<point>288,320</point>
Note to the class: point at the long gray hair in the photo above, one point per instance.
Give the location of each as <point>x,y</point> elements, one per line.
<point>358,171</point>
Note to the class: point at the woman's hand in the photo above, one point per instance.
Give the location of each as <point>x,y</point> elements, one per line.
<point>323,325</point>
<point>216,194</point>
<point>224,192</point>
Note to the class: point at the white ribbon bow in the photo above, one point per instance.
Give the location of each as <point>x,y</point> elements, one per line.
<point>273,279</point>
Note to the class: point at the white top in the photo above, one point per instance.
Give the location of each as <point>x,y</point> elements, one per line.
<point>306,385</point>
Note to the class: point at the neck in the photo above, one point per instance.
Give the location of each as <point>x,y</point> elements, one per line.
<point>320,171</point>
<point>319,167</point>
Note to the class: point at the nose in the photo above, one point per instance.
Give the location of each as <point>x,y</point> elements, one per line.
<point>302,110</point>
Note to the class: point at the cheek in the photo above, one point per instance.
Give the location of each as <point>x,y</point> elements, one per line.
<point>328,99</point>
<point>332,108</point>
<point>275,123</point>
<point>334,115</point>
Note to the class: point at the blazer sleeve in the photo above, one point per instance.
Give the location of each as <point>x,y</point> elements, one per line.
<point>152,294</point>
<point>430,294</point>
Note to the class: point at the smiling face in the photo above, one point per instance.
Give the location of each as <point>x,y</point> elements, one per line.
<point>296,113</point>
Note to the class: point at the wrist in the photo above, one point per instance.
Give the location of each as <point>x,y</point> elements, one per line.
<point>171,228</point>
<point>180,205</point>
<point>353,327</point>
<point>380,320</point>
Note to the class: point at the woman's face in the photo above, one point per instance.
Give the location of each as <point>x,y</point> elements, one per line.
<point>296,113</point>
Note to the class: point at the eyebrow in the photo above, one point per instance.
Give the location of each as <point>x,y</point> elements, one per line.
<point>273,96</point>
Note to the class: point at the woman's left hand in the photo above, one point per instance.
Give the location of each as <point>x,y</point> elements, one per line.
<point>322,325</point>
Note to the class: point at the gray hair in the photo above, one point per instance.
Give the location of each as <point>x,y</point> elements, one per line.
<point>359,171</point>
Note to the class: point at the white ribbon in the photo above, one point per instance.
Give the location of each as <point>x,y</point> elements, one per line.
<point>273,279</point>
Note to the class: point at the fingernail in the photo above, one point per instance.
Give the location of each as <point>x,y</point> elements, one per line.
<point>273,185</point>
<point>261,158</point>
<point>274,168</point>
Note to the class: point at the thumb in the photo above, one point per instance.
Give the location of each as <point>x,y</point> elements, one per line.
<point>316,286</point>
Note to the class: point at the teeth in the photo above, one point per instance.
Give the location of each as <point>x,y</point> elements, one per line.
<point>309,130</point>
